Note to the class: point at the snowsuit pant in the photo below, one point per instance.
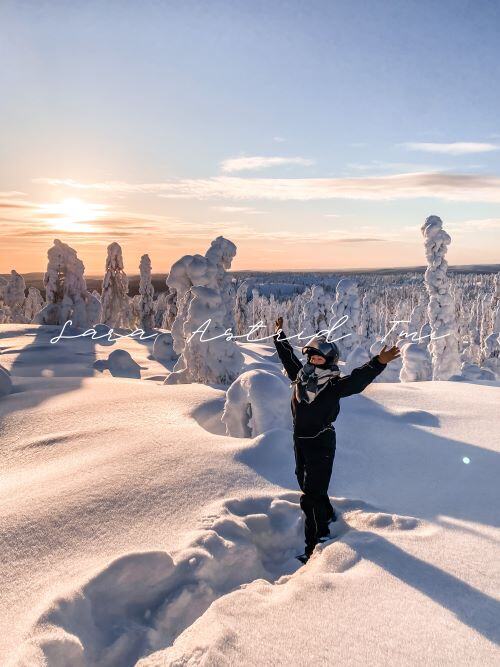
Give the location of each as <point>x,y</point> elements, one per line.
<point>313,469</point>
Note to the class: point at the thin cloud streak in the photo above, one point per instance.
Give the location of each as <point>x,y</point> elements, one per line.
<point>258,162</point>
<point>455,148</point>
<point>435,185</point>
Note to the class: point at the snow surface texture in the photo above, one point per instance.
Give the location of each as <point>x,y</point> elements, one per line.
<point>441,310</point>
<point>132,531</point>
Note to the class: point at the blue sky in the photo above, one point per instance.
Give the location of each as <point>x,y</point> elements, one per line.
<point>136,109</point>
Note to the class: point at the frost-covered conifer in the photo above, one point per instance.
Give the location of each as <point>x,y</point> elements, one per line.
<point>116,306</point>
<point>204,360</point>
<point>222,252</point>
<point>346,304</point>
<point>416,362</point>
<point>66,292</point>
<point>146,292</point>
<point>14,297</point>
<point>441,309</point>
<point>314,316</point>
<point>33,304</point>
<point>185,273</point>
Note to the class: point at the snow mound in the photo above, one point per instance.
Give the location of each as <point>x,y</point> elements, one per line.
<point>257,401</point>
<point>120,364</point>
<point>163,349</point>
<point>5,382</point>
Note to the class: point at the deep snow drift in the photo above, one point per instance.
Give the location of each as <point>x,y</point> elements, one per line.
<point>134,531</point>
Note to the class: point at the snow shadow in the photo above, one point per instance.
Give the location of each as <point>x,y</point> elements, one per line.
<point>472,607</point>
<point>398,465</point>
<point>208,415</point>
<point>42,369</point>
<point>142,602</point>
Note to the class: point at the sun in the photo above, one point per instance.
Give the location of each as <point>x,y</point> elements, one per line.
<point>73,215</point>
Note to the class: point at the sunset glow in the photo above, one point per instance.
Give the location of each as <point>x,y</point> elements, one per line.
<point>72,215</point>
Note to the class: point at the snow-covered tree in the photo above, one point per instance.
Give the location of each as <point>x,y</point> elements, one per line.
<point>346,304</point>
<point>443,346</point>
<point>14,297</point>
<point>417,321</point>
<point>33,303</point>
<point>222,252</point>
<point>368,319</point>
<point>393,370</point>
<point>185,273</point>
<point>116,306</point>
<point>417,364</point>
<point>358,356</point>
<point>496,304</point>
<point>3,307</point>
<point>491,354</point>
<point>66,292</point>
<point>314,315</point>
<point>203,360</point>
<point>170,311</point>
<point>146,292</point>
<point>240,308</point>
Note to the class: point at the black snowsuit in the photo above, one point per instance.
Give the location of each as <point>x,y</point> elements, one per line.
<point>314,437</point>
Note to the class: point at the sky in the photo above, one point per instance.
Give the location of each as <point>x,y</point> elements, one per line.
<point>314,135</point>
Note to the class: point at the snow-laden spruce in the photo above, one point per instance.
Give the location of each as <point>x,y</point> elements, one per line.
<point>14,297</point>
<point>33,304</point>
<point>356,357</point>
<point>256,402</point>
<point>3,307</point>
<point>416,363</point>
<point>314,315</point>
<point>367,325</point>
<point>186,272</point>
<point>222,252</point>
<point>441,310</point>
<point>203,360</point>
<point>66,294</point>
<point>165,308</point>
<point>491,353</point>
<point>146,294</point>
<point>392,370</point>
<point>346,304</point>
<point>116,307</point>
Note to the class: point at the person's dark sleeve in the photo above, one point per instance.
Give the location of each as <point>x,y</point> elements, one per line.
<point>360,377</point>
<point>291,364</point>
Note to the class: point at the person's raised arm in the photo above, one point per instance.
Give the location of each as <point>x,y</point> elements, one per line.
<point>290,362</point>
<point>361,377</point>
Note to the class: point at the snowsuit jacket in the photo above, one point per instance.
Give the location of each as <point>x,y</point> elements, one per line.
<point>311,418</point>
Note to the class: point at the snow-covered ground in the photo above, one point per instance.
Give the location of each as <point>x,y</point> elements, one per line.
<point>134,531</point>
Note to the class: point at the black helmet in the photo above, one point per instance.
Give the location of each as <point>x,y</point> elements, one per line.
<point>319,345</point>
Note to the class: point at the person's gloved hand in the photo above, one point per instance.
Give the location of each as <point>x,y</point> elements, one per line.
<point>278,324</point>
<point>386,356</point>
